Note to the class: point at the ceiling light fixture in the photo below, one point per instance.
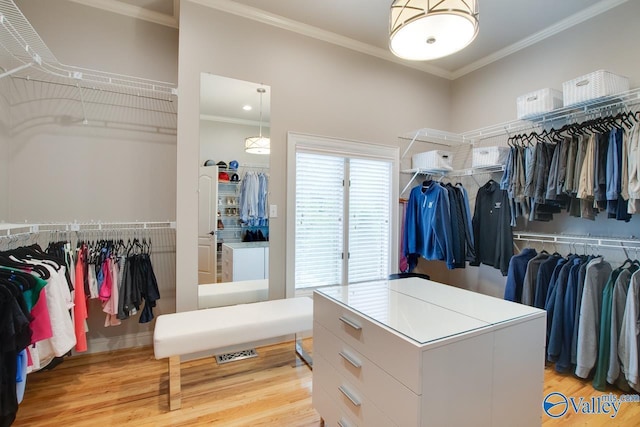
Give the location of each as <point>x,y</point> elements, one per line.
<point>258,144</point>
<point>428,29</point>
<point>247,108</point>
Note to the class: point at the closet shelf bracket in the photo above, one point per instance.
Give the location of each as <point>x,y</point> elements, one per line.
<point>15,70</point>
<point>471,172</point>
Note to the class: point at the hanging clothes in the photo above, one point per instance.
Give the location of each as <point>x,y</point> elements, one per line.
<point>597,275</point>
<point>428,224</point>
<point>80,307</point>
<point>531,276</point>
<point>491,228</point>
<point>618,304</point>
<point>516,274</point>
<point>628,344</point>
<point>254,190</point>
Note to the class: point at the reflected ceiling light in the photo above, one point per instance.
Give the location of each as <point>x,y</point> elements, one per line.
<point>258,144</point>
<point>428,29</point>
<point>247,108</point>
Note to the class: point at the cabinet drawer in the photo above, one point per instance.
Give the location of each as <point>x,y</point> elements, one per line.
<point>328,410</point>
<point>349,402</point>
<point>395,354</point>
<point>388,394</point>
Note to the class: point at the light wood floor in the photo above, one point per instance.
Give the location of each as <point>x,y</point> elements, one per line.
<point>129,388</point>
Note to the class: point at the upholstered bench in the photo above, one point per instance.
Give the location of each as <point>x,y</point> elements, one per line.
<point>211,329</point>
<point>231,293</point>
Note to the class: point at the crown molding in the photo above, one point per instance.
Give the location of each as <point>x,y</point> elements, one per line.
<point>552,30</point>
<point>134,11</point>
<point>278,21</point>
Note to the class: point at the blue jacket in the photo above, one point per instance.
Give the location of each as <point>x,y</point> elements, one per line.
<point>428,224</point>
<point>515,276</point>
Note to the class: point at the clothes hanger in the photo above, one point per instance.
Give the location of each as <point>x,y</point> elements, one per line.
<point>6,261</point>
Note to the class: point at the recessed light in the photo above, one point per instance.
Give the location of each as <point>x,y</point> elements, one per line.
<point>247,108</point>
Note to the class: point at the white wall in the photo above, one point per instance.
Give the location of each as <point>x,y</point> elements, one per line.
<point>225,142</point>
<point>82,173</point>
<point>488,96</point>
<point>608,41</point>
<point>316,87</point>
<point>4,152</point>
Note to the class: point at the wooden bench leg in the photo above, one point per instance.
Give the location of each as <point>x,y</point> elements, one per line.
<point>175,395</point>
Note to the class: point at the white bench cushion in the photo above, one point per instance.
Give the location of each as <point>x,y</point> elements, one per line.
<point>232,293</point>
<point>213,328</point>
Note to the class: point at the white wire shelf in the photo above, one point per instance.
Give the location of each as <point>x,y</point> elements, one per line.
<point>42,86</point>
<point>601,106</point>
<point>596,241</point>
<point>452,173</point>
<point>7,229</point>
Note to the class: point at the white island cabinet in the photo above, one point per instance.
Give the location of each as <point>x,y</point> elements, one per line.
<point>245,261</point>
<point>413,352</point>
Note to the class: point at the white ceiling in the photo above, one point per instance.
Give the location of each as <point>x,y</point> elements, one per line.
<point>222,99</point>
<point>506,26</point>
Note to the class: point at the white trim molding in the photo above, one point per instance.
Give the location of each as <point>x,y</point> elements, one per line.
<point>278,21</point>
<point>138,12</point>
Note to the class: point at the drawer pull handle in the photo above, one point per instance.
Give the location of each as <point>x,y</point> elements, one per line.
<point>349,396</point>
<point>351,323</point>
<point>352,360</point>
<point>343,423</point>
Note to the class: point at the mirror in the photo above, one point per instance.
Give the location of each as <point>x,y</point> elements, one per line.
<point>233,236</point>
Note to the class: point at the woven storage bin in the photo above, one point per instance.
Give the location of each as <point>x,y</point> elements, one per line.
<point>536,103</point>
<point>592,86</point>
<point>483,157</point>
<point>436,160</point>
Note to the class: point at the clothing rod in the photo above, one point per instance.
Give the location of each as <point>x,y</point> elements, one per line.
<point>621,100</point>
<point>606,242</point>
<point>253,167</point>
<point>14,229</point>
<point>434,136</point>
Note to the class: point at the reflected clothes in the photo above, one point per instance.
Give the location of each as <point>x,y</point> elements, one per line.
<point>254,191</point>
<point>139,285</point>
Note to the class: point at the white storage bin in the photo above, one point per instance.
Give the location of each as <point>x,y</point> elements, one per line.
<point>536,103</point>
<point>592,86</point>
<point>437,160</point>
<point>483,157</point>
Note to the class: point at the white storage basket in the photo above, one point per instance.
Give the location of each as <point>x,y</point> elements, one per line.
<point>484,157</point>
<point>536,103</point>
<point>592,86</point>
<point>435,160</point>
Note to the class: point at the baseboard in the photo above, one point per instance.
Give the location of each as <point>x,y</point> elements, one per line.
<point>100,345</point>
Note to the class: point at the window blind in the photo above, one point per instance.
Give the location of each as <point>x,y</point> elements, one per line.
<point>369,219</point>
<point>319,220</point>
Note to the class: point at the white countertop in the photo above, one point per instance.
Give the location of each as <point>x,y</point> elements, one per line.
<point>243,245</point>
<point>423,310</point>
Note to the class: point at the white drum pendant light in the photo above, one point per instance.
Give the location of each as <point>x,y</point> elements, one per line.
<point>428,29</point>
<point>258,144</point>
